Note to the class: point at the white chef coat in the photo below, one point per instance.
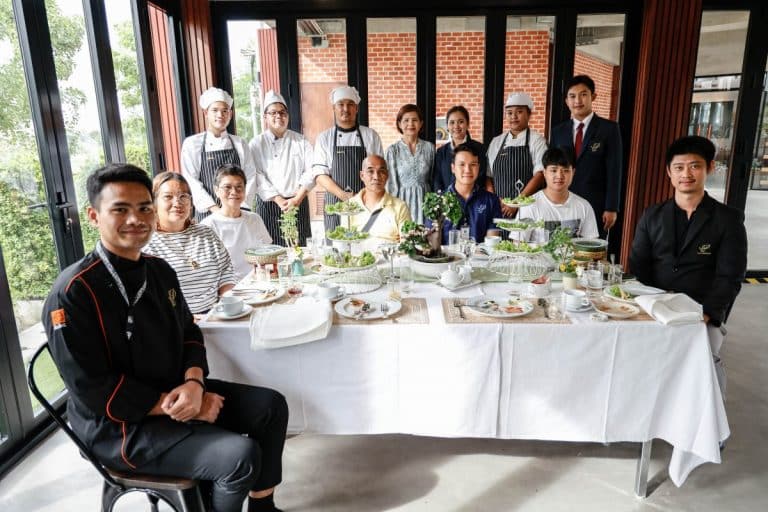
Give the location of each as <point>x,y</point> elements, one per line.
<point>282,165</point>
<point>323,157</point>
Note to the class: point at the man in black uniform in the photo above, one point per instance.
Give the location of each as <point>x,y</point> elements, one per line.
<point>692,243</point>
<point>134,362</point>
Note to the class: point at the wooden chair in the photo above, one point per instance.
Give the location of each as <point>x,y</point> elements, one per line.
<point>182,494</point>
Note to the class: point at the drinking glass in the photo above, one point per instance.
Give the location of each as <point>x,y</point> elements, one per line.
<point>594,277</point>
<point>615,274</point>
<point>389,252</point>
<point>453,238</point>
<point>406,276</point>
<point>394,288</point>
<point>284,271</point>
<point>464,233</point>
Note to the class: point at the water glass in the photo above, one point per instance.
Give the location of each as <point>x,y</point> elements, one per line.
<point>407,278</point>
<point>453,237</point>
<point>615,274</point>
<point>594,277</point>
<point>284,271</point>
<point>394,288</point>
<point>464,233</point>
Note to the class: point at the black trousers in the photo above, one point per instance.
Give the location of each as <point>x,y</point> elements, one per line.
<point>234,463</point>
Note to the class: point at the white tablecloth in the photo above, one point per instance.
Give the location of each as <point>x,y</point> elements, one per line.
<point>601,382</point>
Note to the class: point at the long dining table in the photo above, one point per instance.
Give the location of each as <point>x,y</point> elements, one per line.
<point>582,381</point>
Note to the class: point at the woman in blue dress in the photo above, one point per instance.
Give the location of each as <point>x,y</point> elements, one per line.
<point>410,161</point>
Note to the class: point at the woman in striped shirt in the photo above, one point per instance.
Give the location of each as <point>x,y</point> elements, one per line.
<point>200,259</point>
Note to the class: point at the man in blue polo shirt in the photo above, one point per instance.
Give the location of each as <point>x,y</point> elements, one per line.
<point>479,207</point>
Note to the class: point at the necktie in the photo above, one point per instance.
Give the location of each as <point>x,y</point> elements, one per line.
<point>579,140</point>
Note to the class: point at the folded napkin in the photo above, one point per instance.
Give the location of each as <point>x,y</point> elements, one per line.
<point>283,325</point>
<point>671,308</point>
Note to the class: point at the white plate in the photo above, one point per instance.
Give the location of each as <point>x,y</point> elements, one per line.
<point>615,309</point>
<point>635,289</point>
<point>264,298</point>
<point>483,306</point>
<point>345,309</point>
<point>221,316</point>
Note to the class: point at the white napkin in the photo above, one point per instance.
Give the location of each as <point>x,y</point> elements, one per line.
<point>671,308</point>
<point>283,325</point>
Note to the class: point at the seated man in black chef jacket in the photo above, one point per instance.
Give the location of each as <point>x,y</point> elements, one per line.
<point>692,243</point>
<point>135,366</point>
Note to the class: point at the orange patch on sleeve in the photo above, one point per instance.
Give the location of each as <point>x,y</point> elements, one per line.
<point>58,319</point>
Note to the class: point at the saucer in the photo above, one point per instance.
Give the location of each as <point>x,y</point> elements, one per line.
<point>459,286</point>
<point>580,309</point>
<point>335,298</point>
<point>222,316</point>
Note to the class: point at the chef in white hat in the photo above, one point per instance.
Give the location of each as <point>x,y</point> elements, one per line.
<point>283,170</point>
<point>514,157</point>
<point>340,151</point>
<point>203,153</point>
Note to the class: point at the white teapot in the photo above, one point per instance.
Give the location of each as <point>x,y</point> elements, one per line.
<point>452,278</point>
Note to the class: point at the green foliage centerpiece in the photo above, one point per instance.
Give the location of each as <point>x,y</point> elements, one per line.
<point>560,246</point>
<point>426,242</point>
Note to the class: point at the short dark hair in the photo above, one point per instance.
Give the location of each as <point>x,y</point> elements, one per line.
<point>164,177</point>
<point>229,170</point>
<point>457,108</point>
<point>408,107</point>
<point>693,144</point>
<point>465,148</point>
<point>557,155</point>
<point>114,173</point>
<point>578,80</point>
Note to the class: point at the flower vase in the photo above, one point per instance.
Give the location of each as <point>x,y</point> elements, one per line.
<point>570,281</point>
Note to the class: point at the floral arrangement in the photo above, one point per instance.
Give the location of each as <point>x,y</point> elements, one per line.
<point>560,246</point>
<point>289,227</point>
<point>418,239</point>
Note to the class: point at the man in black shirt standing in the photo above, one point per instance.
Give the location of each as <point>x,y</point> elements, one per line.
<point>692,243</point>
<point>134,362</point>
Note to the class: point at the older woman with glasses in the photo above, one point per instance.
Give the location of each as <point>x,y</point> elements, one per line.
<point>198,256</point>
<point>238,229</point>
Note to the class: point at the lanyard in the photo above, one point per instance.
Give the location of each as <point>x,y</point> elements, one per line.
<point>121,288</point>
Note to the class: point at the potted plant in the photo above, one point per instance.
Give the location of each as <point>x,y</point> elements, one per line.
<point>289,228</point>
<point>427,242</point>
<point>560,247</point>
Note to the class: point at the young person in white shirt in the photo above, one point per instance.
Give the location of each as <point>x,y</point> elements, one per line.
<point>555,204</point>
<point>203,153</point>
<point>238,229</point>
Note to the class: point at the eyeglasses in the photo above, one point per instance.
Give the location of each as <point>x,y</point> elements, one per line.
<point>181,198</point>
<point>277,113</point>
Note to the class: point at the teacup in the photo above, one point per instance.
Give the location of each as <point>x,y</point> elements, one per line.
<point>492,241</point>
<point>540,287</point>
<point>575,299</point>
<point>328,290</point>
<point>229,305</point>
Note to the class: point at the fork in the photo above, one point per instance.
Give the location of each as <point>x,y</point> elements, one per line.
<point>458,305</point>
<point>384,307</point>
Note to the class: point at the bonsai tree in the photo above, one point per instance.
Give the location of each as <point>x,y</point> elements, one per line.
<point>427,242</point>
<point>289,227</point>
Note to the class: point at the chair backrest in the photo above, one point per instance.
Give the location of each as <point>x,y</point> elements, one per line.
<point>57,417</point>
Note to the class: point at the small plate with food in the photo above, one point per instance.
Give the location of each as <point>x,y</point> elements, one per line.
<point>500,307</point>
<point>615,309</point>
<point>628,291</point>
<point>516,202</point>
<point>359,309</point>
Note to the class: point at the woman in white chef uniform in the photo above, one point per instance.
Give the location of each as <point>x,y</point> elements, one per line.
<point>283,161</point>
<point>340,151</point>
<point>203,153</point>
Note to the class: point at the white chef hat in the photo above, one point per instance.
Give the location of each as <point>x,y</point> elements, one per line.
<point>519,99</point>
<point>345,92</point>
<point>273,97</point>
<point>214,94</point>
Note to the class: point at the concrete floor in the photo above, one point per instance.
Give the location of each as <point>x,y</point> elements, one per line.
<point>407,473</point>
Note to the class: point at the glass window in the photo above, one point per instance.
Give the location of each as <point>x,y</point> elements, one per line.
<point>526,63</point>
<point>599,51</point>
<point>129,95</point>
<point>29,254</point>
<point>756,219</point>
<point>716,87</point>
<point>460,71</point>
<point>254,70</point>
<point>391,73</point>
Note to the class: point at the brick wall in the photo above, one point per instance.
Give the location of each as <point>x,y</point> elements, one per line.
<point>606,77</point>
<point>323,64</point>
<point>460,75</point>
<point>526,69</point>
<point>391,80</point>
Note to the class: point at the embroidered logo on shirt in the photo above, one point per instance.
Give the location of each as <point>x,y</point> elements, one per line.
<point>480,208</point>
<point>172,296</point>
<point>704,250</point>
<point>594,147</point>
<point>58,319</point>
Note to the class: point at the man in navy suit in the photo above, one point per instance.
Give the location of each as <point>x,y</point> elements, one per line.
<point>596,146</point>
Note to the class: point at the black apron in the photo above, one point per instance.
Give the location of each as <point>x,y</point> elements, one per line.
<point>345,171</point>
<point>270,213</point>
<point>512,168</point>
<point>209,164</point>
